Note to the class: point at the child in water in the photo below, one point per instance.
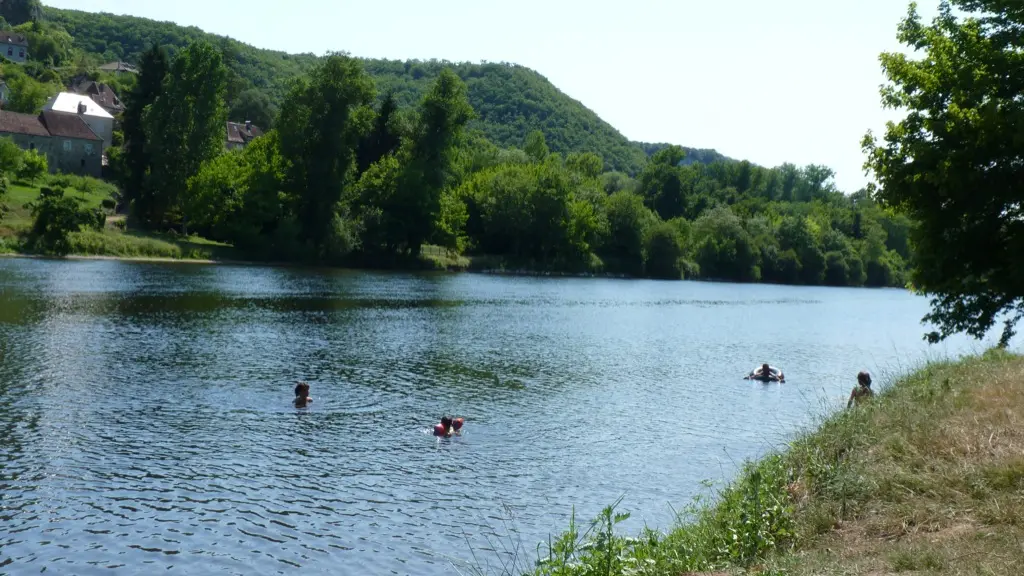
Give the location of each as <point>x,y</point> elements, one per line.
<point>447,426</point>
<point>302,398</point>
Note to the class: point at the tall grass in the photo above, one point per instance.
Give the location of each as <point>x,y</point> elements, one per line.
<point>928,476</point>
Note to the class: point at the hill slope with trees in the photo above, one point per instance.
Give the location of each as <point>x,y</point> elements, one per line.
<point>510,100</point>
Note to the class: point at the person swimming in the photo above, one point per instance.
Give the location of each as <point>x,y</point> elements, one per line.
<point>448,426</point>
<point>444,429</point>
<point>302,398</point>
<point>767,374</point>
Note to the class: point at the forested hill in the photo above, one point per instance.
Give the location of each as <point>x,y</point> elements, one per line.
<point>510,100</point>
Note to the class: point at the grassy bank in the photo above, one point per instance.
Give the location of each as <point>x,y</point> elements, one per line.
<point>926,479</point>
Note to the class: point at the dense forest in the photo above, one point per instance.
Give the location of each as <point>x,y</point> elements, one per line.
<point>369,161</point>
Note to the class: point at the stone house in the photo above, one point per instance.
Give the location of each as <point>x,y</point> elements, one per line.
<point>99,120</point>
<point>69,144</point>
<point>14,47</point>
<point>101,94</point>
<point>239,135</point>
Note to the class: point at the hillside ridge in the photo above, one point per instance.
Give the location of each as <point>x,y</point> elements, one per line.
<point>511,100</point>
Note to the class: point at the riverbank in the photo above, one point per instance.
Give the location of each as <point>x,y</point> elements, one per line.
<point>926,478</point>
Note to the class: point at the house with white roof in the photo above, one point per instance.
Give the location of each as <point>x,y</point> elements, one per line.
<point>81,105</point>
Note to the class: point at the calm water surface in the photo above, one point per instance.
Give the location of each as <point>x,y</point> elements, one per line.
<point>146,423</point>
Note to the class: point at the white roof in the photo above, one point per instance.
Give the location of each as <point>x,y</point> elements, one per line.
<point>68,102</point>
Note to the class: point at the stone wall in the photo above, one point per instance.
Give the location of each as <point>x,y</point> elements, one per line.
<point>68,155</point>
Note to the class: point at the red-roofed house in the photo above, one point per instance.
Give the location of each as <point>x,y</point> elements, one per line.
<point>239,135</point>
<point>69,144</point>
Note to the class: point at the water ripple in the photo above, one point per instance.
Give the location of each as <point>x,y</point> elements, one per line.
<point>146,423</point>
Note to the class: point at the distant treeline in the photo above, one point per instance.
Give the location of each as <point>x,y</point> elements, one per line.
<point>349,175</point>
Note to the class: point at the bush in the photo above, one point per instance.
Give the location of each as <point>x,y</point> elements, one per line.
<point>11,156</point>
<point>55,217</point>
<point>33,166</point>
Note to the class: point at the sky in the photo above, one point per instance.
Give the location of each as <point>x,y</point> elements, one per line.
<point>770,82</point>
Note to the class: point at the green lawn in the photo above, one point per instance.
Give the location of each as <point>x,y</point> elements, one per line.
<point>18,194</point>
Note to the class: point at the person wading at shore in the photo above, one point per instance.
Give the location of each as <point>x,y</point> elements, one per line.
<point>862,392</point>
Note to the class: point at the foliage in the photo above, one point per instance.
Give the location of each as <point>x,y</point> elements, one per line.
<point>33,166</point>
<point>953,164</point>
<point>27,95</point>
<point>16,12</point>
<point>136,159</point>
<point>320,130</point>
<point>56,216</point>
<point>255,106</point>
<point>48,43</point>
<point>184,127</point>
<point>510,101</point>
<point>429,169</point>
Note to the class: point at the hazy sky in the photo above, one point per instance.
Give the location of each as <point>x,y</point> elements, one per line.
<point>771,82</point>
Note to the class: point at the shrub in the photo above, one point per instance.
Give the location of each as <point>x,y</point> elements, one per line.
<point>55,217</point>
<point>33,166</point>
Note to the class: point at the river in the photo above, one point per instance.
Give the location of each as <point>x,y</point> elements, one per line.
<point>147,424</point>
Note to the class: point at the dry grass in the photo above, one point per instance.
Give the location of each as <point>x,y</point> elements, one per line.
<point>927,478</point>
<point>934,479</point>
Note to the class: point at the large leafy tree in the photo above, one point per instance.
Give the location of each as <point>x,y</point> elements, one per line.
<point>185,126</point>
<point>136,159</point>
<point>17,12</point>
<point>432,154</point>
<point>955,163</point>
<point>320,127</point>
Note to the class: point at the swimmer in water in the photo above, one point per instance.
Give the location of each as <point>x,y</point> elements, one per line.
<point>449,426</point>
<point>444,429</point>
<point>302,398</point>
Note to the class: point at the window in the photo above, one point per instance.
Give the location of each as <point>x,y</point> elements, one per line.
<point>21,53</point>
<point>10,51</point>
<point>88,147</point>
<point>67,145</point>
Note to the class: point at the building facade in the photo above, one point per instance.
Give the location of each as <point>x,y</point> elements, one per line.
<point>239,134</point>
<point>14,47</point>
<point>101,94</point>
<point>69,144</point>
<point>99,120</point>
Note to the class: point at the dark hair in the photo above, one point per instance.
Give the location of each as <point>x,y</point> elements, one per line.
<point>302,389</point>
<point>446,421</point>
<point>864,379</point>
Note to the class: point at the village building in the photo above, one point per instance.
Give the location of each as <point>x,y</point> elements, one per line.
<point>101,94</point>
<point>119,68</point>
<point>14,47</point>
<point>239,135</point>
<point>69,144</point>
<point>99,120</point>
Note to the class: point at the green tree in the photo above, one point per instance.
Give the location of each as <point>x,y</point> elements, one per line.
<point>320,127</point>
<point>953,163</point>
<point>136,158</point>
<point>28,95</point>
<point>628,223</point>
<point>55,217</point>
<point>33,166</point>
<point>663,252</point>
<point>255,106</point>
<point>17,12</point>
<point>430,169</point>
<point>185,127</point>
<point>536,146</point>
<point>385,137</point>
